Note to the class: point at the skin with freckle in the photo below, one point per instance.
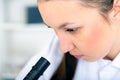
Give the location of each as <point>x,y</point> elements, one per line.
<point>89,35</point>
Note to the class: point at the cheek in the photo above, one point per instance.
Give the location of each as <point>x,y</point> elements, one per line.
<point>94,39</point>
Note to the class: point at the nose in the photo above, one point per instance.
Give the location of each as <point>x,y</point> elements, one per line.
<point>65,44</point>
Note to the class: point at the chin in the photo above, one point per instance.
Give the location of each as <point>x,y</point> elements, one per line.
<point>90,60</point>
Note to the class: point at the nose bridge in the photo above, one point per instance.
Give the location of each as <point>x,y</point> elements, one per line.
<point>65,43</point>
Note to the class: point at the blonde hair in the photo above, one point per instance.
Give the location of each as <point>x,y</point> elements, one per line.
<point>103,5</point>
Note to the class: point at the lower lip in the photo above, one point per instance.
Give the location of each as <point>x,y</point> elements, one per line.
<point>78,56</point>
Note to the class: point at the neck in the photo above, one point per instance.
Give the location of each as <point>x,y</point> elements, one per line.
<point>116,46</point>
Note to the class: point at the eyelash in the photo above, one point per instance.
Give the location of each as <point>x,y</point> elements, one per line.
<point>72,30</point>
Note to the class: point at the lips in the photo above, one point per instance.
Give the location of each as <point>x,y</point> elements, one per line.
<point>77,56</point>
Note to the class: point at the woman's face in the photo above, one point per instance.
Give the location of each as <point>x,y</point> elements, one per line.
<point>81,31</point>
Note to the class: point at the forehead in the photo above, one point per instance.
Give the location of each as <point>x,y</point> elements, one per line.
<point>57,5</point>
<point>55,0</point>
<point>57,12</point>
<point>58,2</point>
<point>43,0</point>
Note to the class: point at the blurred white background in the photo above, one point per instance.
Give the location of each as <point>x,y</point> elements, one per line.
<point>20,38</point>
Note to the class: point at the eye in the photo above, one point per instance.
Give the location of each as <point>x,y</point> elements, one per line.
<point>71,30</point>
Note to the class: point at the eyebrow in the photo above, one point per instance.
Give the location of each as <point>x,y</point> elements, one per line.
<point>61,26</point>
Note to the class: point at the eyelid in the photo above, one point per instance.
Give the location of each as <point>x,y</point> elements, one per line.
<point>73,26</point>
<point>72,29</point>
